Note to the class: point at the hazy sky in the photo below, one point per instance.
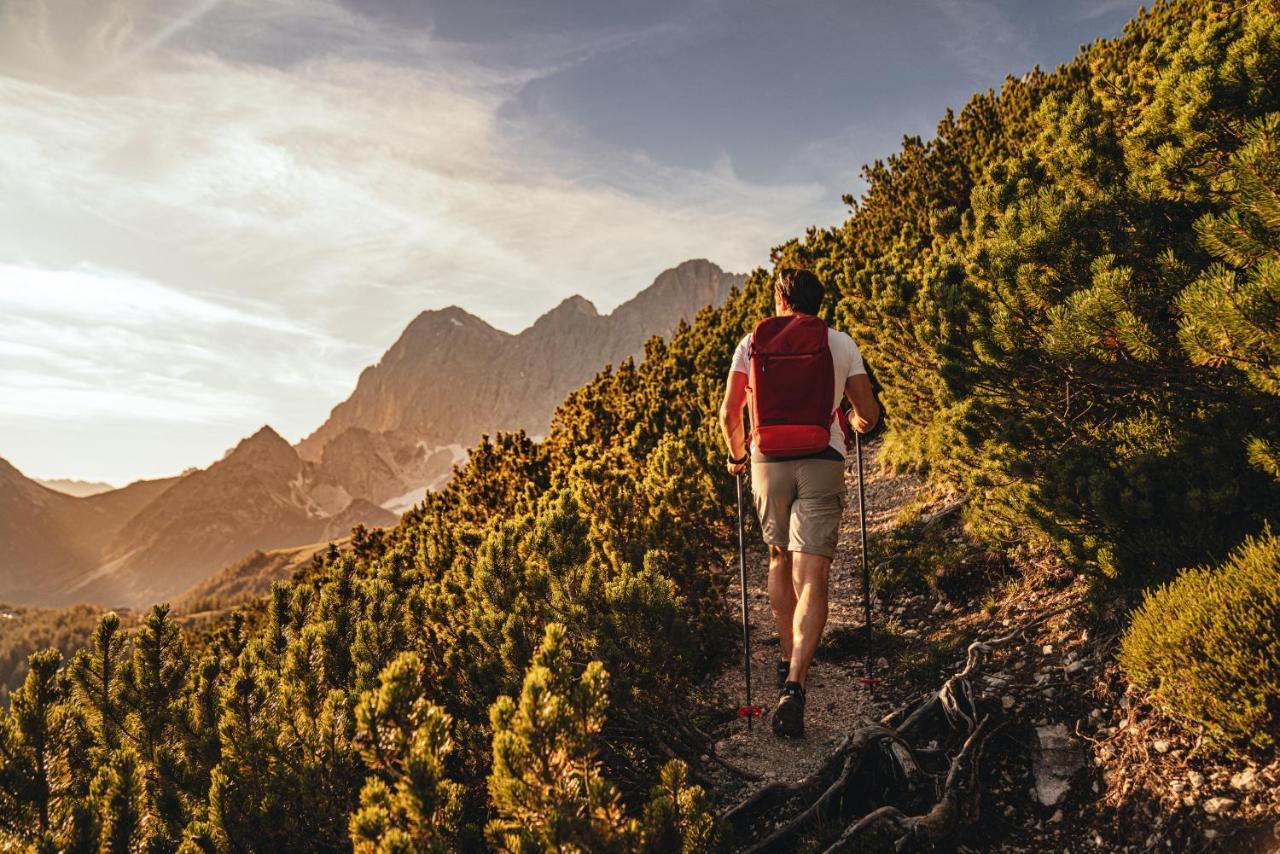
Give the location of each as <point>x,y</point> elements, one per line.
<point>214,213</point>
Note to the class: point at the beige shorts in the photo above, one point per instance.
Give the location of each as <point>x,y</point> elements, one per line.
<point>799,503</point>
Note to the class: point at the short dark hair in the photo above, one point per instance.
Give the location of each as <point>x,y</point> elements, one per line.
<point>800,289</point>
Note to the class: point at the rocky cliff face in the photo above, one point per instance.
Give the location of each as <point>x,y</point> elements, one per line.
<point>451,378</point>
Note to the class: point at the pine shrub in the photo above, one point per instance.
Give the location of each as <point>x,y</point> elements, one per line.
<point>1207,646</point>
<point>408,803</point>
<point>547,787</point>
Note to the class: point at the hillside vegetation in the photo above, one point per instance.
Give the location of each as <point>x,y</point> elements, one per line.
<point>246,580</point>
<point>1071,294</point>
<point>23,630</point>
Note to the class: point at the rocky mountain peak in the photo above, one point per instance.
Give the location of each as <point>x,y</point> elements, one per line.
<point>434,333</point>
<point>265,437</point>
<point>443,319</point>
<point>265,448</point>
<point>451,377</point>
<point>570,315</point>
<point>574,305</point>
<point>697,266</point>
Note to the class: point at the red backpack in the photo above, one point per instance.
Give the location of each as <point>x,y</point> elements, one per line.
<point>791,384</point>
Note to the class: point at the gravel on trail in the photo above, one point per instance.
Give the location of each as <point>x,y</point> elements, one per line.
<point>836,701</point>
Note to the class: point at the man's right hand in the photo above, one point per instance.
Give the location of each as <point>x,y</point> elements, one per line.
<point>738,467</point>
<point>865,416</point>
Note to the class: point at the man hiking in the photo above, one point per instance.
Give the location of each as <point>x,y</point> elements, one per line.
<point>794,370</point>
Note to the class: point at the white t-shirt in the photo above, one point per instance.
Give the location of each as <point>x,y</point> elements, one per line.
<point>845,358</point>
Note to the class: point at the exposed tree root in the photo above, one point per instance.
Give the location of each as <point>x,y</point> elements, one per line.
<point>859,753</point>
<point>955,810</point>
<point>886,778</point>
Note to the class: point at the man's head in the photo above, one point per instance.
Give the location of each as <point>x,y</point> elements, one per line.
<point>797,291</point>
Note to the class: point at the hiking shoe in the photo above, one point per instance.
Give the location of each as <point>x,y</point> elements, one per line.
<point>784,670</point>
<point>788,717</point>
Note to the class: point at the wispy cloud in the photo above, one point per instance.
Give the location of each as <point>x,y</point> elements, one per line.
<point>307,182</point>
<point>226,166</point>
<point>115,376</point>
<point>94,344</point>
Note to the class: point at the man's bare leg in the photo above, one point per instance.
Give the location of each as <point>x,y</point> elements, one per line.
<point>810,573</point>
<point>782,597</point>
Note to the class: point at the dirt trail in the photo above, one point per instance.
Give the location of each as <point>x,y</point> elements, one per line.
<point>837,702</point>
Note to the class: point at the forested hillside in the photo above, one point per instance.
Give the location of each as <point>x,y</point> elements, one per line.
<point>25,629</point>
<point>1072,296</point>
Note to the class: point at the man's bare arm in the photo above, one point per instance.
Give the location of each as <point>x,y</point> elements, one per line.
<point>735,397</point>
<point>866,412</point>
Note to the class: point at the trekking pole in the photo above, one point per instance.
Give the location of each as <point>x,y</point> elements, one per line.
<point>869,678</point>
<point>748,711</point>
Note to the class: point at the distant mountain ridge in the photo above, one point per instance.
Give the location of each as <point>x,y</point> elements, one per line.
<point>447,380</point>
<point>77,488</point>
<point>247,579</point>
<point>451,377</point>
<point>261,495</point>
<point>151,540</point>
<point>48,538</point>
